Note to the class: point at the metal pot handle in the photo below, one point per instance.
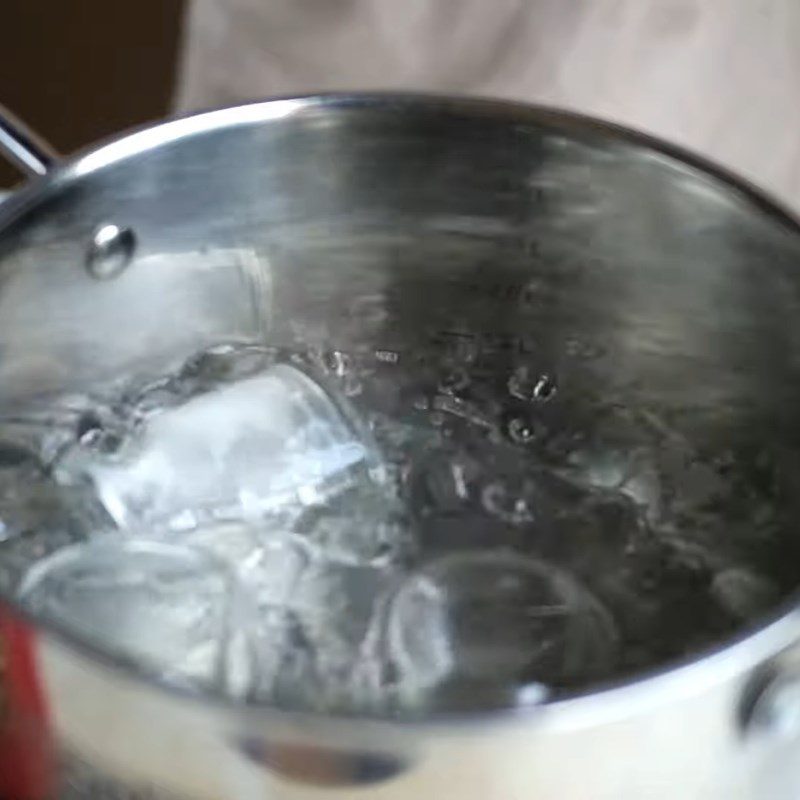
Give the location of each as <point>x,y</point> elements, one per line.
<point>23,147</point>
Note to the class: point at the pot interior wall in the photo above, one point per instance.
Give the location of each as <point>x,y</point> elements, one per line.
<point>414,228</point>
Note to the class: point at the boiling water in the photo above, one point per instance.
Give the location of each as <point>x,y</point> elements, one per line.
<point>519,538</point>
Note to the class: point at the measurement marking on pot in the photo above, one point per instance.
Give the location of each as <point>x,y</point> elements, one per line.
<point>387,356</point>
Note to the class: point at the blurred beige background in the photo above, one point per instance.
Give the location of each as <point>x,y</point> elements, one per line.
<point>721,77</point>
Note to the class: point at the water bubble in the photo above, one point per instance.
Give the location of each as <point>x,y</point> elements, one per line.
<point>352,386</point>
<point>531,387</point>
<point>337,362</point>
<point>454,381</point>
<point>102,441</point>
<point>443,483</point>
<point>521,430</point>
<point>459,480</point>
<point>110,251</point>
<point>545,388</point>
<point>89,426</point>
<point>501,501</point>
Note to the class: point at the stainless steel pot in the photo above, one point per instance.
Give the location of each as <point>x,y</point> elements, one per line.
<point>130,254</point>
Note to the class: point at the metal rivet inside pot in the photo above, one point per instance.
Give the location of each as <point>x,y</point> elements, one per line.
<point>110,251</point>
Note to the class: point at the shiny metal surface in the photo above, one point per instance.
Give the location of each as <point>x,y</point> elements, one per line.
<point>110,251</point>
<point>381,222</point>
<point>23,147</point>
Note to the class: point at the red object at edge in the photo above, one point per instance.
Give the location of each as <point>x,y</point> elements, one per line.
<point>27,764</point>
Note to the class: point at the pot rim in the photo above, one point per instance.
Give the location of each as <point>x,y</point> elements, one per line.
<point>751,647</point>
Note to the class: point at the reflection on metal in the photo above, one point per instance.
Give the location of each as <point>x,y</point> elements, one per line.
<point>323,767</point>
<point>23,147</point>
<point>372,224</point>
<point>110,251</point>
